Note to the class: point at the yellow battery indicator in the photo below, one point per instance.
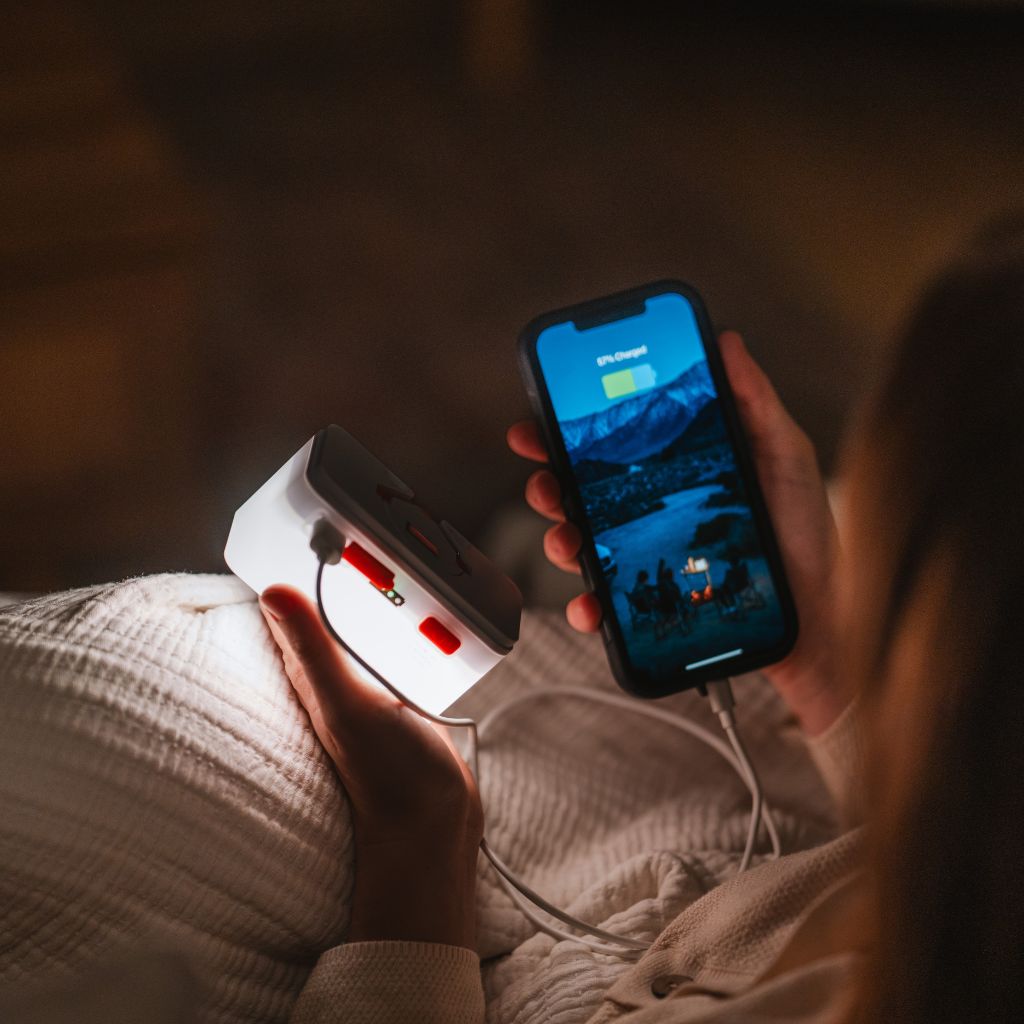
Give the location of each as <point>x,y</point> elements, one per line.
<point>627,382</point>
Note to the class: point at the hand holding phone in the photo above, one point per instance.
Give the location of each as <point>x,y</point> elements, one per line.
<point>787,470</point>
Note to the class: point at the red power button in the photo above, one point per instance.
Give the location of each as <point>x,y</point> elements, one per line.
<point>376,572</point>
<point>440,636</point>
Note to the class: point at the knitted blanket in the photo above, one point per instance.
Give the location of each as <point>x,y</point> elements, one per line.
<point>161,787</point>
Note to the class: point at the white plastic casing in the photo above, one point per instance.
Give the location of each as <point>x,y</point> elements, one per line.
<point>269,543</point>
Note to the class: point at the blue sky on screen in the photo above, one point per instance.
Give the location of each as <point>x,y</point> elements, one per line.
<point>569,358</point>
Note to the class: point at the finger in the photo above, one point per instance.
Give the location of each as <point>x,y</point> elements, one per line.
<point>303,687</point>
<point>562,544</point>
<point>316,667</point>
<point>765,419</point>
<point>525,440</point>
<point>544,495</point>
<point>584,613</point>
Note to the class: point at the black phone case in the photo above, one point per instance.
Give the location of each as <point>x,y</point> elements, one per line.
<point>604,310</point>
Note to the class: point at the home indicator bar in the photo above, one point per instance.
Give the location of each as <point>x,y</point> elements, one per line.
<point>717,657</point>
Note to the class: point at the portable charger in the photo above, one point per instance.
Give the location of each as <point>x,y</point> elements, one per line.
<point>417,601</point>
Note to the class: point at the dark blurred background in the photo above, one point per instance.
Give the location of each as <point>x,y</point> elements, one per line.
<point>226,224</point>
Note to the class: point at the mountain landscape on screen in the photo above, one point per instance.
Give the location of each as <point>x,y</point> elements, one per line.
<point>652,423</point>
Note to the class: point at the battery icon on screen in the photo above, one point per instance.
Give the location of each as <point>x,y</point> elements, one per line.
<point>626,382</point>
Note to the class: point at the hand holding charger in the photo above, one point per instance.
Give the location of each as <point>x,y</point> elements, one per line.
<point>428,610</point>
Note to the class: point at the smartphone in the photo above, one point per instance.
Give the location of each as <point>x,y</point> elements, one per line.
<point>642,433</point>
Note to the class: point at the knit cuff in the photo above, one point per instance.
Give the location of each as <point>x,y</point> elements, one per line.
<point>393,983</point>
<point>839,755</point>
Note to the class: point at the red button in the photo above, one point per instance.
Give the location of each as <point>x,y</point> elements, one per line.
<point>440,636</point>
<point>376,572</point>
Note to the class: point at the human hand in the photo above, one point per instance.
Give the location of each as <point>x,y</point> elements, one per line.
<point>416,814</point>
<point>794,492</point>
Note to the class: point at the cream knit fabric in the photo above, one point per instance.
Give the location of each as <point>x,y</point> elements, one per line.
<point>160,785</point>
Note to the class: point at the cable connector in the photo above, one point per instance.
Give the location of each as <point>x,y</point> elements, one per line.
<point>722,701</point>
<point>326,542</point>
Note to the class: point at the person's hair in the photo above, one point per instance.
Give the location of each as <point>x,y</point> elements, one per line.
<point>936,643</point>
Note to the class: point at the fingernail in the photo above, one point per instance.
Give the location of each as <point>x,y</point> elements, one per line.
<point>277,603</point>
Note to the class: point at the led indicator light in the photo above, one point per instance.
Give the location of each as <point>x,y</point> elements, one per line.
<point>391,594</point>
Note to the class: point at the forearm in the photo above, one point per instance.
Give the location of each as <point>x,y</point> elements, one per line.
<point>411,957</point>
<point>839,754</point>
<point>419,895</point>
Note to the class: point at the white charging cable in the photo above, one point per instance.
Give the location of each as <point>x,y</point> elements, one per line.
<point>328,546</point>
<point>736,757</point>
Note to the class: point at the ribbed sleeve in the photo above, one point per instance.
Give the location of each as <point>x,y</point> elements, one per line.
<point>393,983</point>
<point>839,755</point>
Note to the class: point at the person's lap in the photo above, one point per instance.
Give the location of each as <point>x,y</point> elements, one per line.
<point>160,785</point>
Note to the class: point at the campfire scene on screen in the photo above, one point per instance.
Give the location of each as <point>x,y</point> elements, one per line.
<point>674,530</point>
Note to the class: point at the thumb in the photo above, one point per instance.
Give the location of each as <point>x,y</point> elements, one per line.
<point>320,674</point>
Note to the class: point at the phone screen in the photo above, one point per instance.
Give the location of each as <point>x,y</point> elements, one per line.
<point>676,538</point>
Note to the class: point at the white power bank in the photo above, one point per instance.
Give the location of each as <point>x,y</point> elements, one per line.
<point>417,601</point>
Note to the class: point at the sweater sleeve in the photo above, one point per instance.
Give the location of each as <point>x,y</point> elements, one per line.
<point>393,983</point>
<point>839,756</point>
